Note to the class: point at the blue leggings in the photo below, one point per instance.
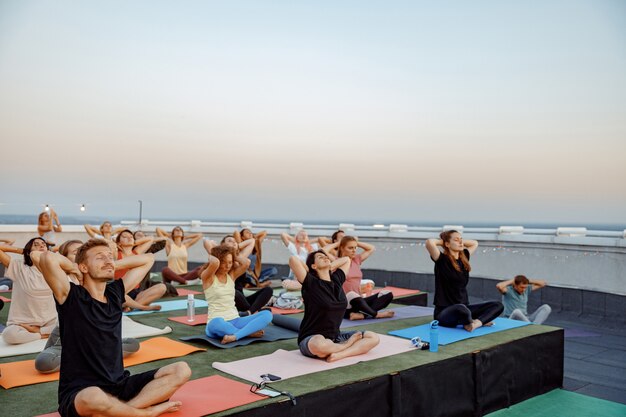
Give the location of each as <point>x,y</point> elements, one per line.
<point>240,327</point>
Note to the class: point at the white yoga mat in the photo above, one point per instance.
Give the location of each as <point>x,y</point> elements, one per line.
<point>289,364</point>
<point>130,328</point>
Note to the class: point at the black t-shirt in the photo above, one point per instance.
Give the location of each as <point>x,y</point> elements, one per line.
<point>450,284</point>
<point>324,306</point>
<point>91,335</point>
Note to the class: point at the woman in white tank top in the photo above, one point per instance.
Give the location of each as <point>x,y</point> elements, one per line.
<point>176,247</point>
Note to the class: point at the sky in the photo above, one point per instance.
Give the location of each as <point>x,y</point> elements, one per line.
<point>505,112</point>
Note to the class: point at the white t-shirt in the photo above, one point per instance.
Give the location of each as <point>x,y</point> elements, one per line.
<point>300,252</point>
<point>32,301</point>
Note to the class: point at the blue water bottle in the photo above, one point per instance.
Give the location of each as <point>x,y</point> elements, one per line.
<point>434,336</point>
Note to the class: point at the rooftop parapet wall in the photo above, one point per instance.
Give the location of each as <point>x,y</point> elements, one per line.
<point>566,257</point>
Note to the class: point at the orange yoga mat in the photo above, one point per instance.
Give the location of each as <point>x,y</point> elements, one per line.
<point>397,292</point>
<point>17,374</point>
<point>6,300</point>
<point>209,395</point>
<point>200,319</point>
<point>184,291</point>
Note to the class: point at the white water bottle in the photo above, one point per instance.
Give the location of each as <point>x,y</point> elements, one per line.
<point>191,311</point>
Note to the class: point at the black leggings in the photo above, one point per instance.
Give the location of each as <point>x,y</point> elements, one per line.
<point>254,302</point>
<point>369,306</point>
<point>456,314</point>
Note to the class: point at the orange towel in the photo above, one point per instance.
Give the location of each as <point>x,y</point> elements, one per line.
<point>17,374</point>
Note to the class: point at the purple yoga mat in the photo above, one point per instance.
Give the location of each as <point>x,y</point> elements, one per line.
<point>407,312</point>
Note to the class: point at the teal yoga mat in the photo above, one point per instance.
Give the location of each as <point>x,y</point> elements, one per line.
<point>450,335</point>
<point>170,306</point>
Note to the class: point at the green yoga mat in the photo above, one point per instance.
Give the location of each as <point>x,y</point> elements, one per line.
<point>561,403</point>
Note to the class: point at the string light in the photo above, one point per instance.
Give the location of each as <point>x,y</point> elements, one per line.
<point>47,208</point>
<point>82,207</point>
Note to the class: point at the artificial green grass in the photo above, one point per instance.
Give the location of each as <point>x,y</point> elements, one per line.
<point>42,398</point>
<point>561,403</point>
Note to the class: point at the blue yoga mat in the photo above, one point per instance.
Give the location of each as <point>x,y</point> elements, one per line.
<point>449,335</point>
<point>169,306</point>
<point>407,312</point>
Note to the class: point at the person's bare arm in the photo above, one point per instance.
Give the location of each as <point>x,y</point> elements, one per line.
<point>368,249</point>
<point>299,268</point>
<point>341,263</point>
<point>91,231</point>
<point>432,248</point>
<point>242,262</point>
<point>537,283</point>
<point>138,266</point>
<point>143,244</point>
<point>502,285</point>
<point>286,238</point>
<point>4,258</point>
<point>192,240</point>
<point>50,265</point>
<point>470,245</point>
<point>209,272</point>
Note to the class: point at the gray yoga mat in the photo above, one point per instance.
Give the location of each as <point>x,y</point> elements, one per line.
<point>407,312</point>
<point>280,329</point>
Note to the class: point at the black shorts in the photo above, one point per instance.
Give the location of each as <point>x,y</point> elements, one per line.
<point>134,293</point>
<point>126,389</point>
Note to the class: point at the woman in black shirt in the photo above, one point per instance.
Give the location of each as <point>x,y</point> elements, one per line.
<point>452,269</point>
<point>324,306</point>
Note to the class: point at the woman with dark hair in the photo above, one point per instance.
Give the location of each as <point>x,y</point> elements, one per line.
<point>137,299</point>
<point>452,270</point>
<point>176,246</point>
<point>32,314</point>
<point>334,238</point>
<point>324,308</point>
<point>47,225</point>
<point>223,319</point>
<point>359,307</point>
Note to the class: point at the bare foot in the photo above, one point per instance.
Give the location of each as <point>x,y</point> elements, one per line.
<point>475,324</point>
<point>385,314</point>
<point>155,307</point>
<point>357,316</point>
<point>228,338</point>
<point>352,340</point>
<point>265,284</point>
<point>333,357</point>
<point>260,333</point>
<point>167,407</point>
<point>488,324</point>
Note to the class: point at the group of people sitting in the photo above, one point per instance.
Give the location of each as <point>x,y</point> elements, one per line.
<point>89,285</point>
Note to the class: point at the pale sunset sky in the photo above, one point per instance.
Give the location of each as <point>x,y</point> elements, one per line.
<point>504,112</point>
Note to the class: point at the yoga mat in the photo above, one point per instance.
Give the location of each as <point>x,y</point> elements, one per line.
<point>396,291</point>
<point>6,300</point>
<point>289,364</point>
<point>272,333</point>
<point>169,306</point>
<point>407,312</point>
<point>451,335</point>
<point>209,395</point>
<point>185,292</point>
<point>21,349</point>
<point>17,374</point>
<point>202,318</point>
<point>130,328</point>
<point>563,403</point>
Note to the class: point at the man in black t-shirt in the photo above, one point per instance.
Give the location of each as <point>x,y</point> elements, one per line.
<point>324,307</point>
<point>93,380</point>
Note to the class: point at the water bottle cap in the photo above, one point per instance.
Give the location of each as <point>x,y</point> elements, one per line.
<point>434,324</point>
<point>190,297</point>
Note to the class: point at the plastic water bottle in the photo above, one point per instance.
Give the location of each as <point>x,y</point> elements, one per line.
<point>191,311</point>
<point>434,336</point>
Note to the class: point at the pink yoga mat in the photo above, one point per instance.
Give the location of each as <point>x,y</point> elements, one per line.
<point>289,364</point>
<point>184,291</point>
<point>209,395</point>
<point>396,291</point>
